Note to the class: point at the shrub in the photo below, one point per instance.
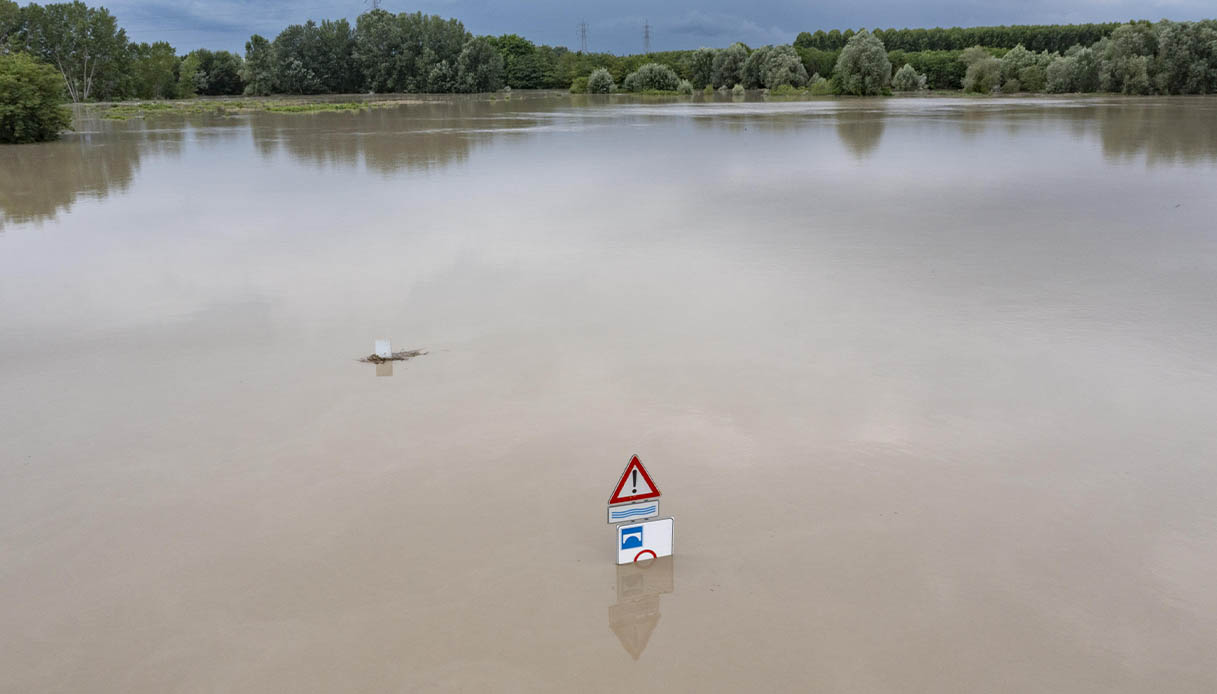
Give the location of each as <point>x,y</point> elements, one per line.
<point>1033,78</point>
<point>983,75</point>
<point>863,68</point>
<point>1011,87</point>
<point>600,82</point>
<point>578,85</point>
<point>784,90</point>
<point>737,90</point>
<point>708,90</point>
<point>31,100</point>
<point>906,79</point>
<point>820,86</point>
<point>685,87</point>
<point>651,77</point>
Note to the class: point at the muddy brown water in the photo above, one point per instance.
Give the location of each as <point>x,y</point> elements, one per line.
<point>928,384</point>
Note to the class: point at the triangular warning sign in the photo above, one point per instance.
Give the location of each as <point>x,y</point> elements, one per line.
<point>635,484</point>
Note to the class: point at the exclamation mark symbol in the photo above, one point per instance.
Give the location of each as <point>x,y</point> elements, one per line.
<point>635,481</point>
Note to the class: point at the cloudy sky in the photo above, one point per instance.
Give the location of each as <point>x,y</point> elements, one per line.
<point>617,26</point>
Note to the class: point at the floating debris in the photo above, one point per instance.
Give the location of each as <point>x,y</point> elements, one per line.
<point>395,356</point>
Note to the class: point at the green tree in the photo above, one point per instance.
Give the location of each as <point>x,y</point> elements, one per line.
<point>259,69</point>
<point>1187,57</point>
<point>83,43</point>
<point>378,51</point>
<point>984,72</point>
<point>652,77</point>
<point>153,70</point>
<point>297,59</point>
<point>333,57</point>
<point>701,69</point>
<point>863,68</point>
<point>784,68</point>
<point>10,23</point>
<point>600,82</point>
<point>1125,59</point>
<point>728,66</point>
<point>211,73</point>
<point>522,64</point>
<point>907,79</point>
<point>479,67</point>
<point>31,100</point>
<point>1015,60</point>
<point>191,79</point>
<point>752,75</point>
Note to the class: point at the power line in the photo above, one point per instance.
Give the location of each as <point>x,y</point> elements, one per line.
<point>646,37</point>
<point>583,37</point>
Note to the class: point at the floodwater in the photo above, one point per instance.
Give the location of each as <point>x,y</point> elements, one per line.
<point>929,385</point>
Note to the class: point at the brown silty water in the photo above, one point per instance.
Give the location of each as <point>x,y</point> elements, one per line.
<point>927,383</point>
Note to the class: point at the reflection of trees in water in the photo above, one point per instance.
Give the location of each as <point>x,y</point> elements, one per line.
<point>38,181</point>
<point>418,136</point>
<point>861,130</point>
<point>1165,130</point>
<point>1165,134</point>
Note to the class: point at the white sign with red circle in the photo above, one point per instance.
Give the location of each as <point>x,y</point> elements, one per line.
<point>641,541</point>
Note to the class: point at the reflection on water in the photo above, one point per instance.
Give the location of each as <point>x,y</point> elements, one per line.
<point>861,130</point>
<point>419,137</point>
<point>634,618</point>
<point>39,181</point>
<point>952,392</point>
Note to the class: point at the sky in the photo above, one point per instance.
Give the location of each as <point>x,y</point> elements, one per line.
<point>617,26</point>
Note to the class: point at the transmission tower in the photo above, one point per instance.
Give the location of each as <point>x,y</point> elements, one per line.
<point>646,37</point>
<point>583,37</point>
<point>374,3</point>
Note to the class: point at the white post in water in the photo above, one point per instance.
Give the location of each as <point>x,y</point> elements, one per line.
<point>383,349</point>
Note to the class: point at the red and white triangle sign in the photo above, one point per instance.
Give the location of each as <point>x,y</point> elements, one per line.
<point>635,484</point>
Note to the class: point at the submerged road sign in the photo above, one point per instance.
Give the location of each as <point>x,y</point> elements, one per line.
<point>635,485</point>
<point>640,541</point>
<point>634,617</point>
<point>633,512</point>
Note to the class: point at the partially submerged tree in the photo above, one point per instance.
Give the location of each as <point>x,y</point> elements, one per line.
<point>907,79</point>
<point>600,82</point>
<point>728,66</point>
<point>153,70</point>
<point>984,72</point>
<point>31,100</point>
<point>479,68</point>
<point>259,68</point>
<point>651,77</point>
<point>862,68</point>
<point>701,68</point>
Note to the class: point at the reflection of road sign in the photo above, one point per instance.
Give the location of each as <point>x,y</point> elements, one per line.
<point>636,613</point>
<point>651,577</point>
<point>633,512</point>
<point>633,623</point>
<point>651,539</point>
<point>635,484</point>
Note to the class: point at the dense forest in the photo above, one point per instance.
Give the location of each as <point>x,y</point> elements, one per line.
<point>412,52</point>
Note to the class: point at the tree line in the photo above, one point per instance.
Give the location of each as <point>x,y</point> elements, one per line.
<point>413,52</point>
<point>1041,37</point>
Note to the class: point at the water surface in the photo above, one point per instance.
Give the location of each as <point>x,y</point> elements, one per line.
<point>929,385</point>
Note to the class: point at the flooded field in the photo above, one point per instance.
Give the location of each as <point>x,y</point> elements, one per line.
<point>928,384</point>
